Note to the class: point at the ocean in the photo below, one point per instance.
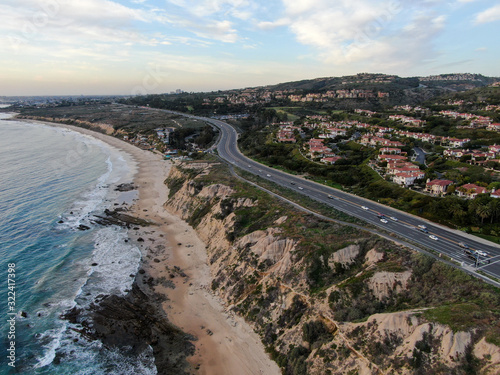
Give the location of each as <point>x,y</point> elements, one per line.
<point>52,180</point>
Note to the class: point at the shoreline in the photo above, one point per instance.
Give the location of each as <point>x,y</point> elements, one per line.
<point>171,250</point>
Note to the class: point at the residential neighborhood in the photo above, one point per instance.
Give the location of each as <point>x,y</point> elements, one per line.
<point>318,138</point>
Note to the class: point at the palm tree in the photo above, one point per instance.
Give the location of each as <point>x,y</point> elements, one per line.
<point>456,210</point>
<point>494,206</point>
<point>483,211</point>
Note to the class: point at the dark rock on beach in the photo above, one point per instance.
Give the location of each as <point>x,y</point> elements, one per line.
<point>83,227</point>
<point>132,323</point>
<point>125,187</point>
<point>117,217</point>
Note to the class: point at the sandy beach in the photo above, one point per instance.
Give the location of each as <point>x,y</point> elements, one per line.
<point>172,251</point>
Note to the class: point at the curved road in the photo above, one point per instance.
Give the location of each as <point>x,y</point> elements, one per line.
<point>436,237</point>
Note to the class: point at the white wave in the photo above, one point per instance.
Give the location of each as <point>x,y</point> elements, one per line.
<point>53,338</point>
<point>90,201</point>
<point>114,265</point>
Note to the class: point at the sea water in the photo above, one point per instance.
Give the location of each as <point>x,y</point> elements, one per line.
<point>52,180</point>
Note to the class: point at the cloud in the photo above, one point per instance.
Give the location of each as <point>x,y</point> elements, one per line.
<point>219,30</point>
<point>380,33</point>
<point>211,19</point>
<point>61,21</point>
<point>489,15</point>
<point>268,25</point>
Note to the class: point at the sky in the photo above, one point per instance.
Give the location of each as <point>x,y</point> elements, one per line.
<point>135,47</point>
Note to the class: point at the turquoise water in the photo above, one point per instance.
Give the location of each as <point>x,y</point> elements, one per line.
<point>51,181</point>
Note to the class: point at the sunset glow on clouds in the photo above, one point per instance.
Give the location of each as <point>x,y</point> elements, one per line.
<point>53,47</point>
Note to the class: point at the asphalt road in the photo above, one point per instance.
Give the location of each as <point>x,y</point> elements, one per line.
<point>445,240</point>
<point>419,155</point>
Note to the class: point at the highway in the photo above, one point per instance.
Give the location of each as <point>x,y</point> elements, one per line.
<point>436,237</point>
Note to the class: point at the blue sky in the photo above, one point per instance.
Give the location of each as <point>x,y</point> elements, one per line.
<point>51,47</point>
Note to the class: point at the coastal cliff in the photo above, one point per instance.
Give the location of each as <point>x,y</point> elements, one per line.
<point>332,299</point>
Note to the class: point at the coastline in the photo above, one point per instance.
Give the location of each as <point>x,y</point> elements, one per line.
<point>171,250</point>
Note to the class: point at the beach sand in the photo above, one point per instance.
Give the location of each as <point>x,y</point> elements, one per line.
<point>225,343</point>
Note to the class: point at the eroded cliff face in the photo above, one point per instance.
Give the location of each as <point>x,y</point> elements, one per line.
<point>303,302</point>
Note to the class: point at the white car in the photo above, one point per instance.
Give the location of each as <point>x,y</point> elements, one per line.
<point>481,252</point>
<point>364,208</point>
<point>393,218</point>
<point>268,175</point>
<point>384,221</point>
<point>433,237</point>
<point>301,188</point>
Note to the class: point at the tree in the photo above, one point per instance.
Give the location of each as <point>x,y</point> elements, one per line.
<point>494,207</point>
<point>457,210</point>
<point>483,211</point>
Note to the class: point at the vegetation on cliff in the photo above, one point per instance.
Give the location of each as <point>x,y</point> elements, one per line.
<point>333,299</point>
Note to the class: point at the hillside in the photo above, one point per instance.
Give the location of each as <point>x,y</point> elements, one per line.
<point>364,90</point>
<point>350,303</point>
<point>452,82</point>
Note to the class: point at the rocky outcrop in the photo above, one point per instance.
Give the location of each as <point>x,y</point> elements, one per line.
<point>413,338</point>
<point>372,257</point>
<point>490,355</point>
<point>267,245</point>
<point>346,255</point>
<point>120,218</point>
<point>383,284</point>
<point>132,323</point>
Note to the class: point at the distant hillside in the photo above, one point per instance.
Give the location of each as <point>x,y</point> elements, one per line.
<point>455,82</point>
<point>370,91</point>
<point>411,90</point>
<point>489,94</point>
<point>364,80</point>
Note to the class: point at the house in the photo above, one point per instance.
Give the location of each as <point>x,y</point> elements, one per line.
<point>470,191</point>
<point>495,149</point>
<point>476,154</point>
<point>319,151</point>
<point>494,127</point>
<point>455,142</point>
<point>387,157</point>
<point>390,150</point>
<point>314,142</point>
<point>398,166</point>
<point>286,135</point>
<point>407,120</point>
<point>437,187</point>
<point>495,193</point>
<point>393,143</point>
<point>408,179</point>
<point>457,153</point>
<point>337,131</point>
<point>330,160</point>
